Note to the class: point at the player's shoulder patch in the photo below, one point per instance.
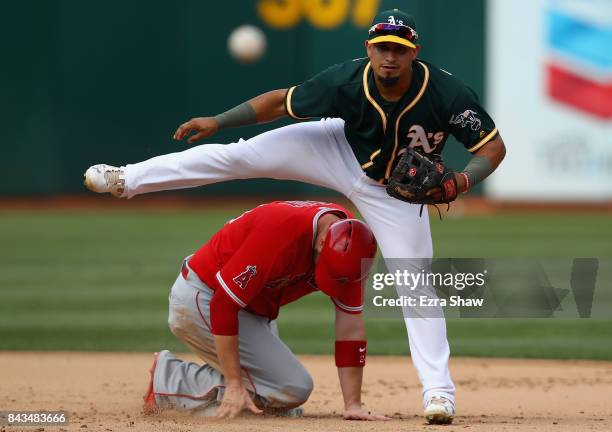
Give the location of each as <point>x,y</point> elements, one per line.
<point>243,279</point>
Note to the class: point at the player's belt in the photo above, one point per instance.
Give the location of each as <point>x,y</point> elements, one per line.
<point>185,269</point>
<point>191,276</point>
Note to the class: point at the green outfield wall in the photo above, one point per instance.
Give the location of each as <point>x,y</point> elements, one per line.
<point>92,81</point>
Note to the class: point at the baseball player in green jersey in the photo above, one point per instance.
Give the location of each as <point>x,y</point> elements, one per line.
<point>372,110</point>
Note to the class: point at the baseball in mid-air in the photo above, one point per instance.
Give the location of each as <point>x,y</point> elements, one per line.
<point>247,43</point>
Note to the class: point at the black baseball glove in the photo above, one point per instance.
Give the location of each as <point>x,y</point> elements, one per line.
<point>421,179</point>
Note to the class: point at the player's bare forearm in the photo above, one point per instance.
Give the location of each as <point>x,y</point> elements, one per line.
<point>269,106</point>
<point>235,398</point>
<point>352,327</point>
<point>351,379</point>
<point>261,109</point>
<point>349,326</point>
<point>229,358</point>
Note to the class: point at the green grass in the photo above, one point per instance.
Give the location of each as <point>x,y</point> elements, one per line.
<point>540,235</point>
<point>99,281</point>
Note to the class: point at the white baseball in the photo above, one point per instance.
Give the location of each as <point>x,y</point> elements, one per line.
<point>247,43</point>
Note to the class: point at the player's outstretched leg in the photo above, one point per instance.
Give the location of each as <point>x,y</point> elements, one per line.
<point>306,152</point>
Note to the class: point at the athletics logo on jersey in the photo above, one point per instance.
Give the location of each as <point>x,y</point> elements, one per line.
<point>467,117</point>
<point>243,279</point>
<point>419,138</point>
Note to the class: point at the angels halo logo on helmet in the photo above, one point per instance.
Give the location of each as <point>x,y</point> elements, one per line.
<point>339,267</point>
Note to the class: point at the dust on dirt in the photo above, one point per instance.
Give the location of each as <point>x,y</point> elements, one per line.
<point>103,392</point>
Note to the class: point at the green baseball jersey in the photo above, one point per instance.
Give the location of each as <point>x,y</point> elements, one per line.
<point>436,105</point>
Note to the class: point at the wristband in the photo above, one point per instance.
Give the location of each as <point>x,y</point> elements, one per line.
<point>477,169</point>
<point>242,115</point>
<point>467,181</point>
<point>351,353</point>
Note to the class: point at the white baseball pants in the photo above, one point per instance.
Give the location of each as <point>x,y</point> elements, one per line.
<point>317,153</point>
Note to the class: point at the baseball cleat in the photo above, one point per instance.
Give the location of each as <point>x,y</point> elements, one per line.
<point>150,406</point>
<point>440,410</point>
<point>104,178</point>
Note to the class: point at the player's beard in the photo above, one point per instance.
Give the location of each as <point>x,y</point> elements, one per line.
<point>388,81</point>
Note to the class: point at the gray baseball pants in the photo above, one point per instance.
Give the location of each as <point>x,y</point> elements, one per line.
<point>270,370</point>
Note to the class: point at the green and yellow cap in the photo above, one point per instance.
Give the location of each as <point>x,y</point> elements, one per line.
<point>395,26</point>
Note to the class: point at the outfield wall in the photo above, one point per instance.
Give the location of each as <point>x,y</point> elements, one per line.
<point>85,82</point>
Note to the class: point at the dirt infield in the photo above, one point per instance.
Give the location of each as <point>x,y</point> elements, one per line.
<point>103,393</point>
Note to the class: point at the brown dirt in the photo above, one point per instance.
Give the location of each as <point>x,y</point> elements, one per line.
<point>103,391</point>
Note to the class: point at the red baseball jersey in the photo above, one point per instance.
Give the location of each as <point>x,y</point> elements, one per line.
<point>263,259</point>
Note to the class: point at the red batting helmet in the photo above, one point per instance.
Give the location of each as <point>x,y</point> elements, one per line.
<point>339,267</point>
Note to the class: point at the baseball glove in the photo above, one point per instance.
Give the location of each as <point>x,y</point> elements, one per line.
<point>420,179</point>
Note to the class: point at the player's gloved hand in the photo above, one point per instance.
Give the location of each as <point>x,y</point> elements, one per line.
<point>357,412</point>
<point>436,193</point>
<point>421,179</point>
<point>203,126</point>
<point>235,399</point>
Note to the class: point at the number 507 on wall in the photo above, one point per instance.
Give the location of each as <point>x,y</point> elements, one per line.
<point>323,14</point>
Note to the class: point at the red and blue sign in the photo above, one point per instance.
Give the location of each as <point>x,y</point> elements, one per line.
<point>580,69</point>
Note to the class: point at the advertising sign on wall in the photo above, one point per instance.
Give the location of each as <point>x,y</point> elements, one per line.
<point>549,80</point>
